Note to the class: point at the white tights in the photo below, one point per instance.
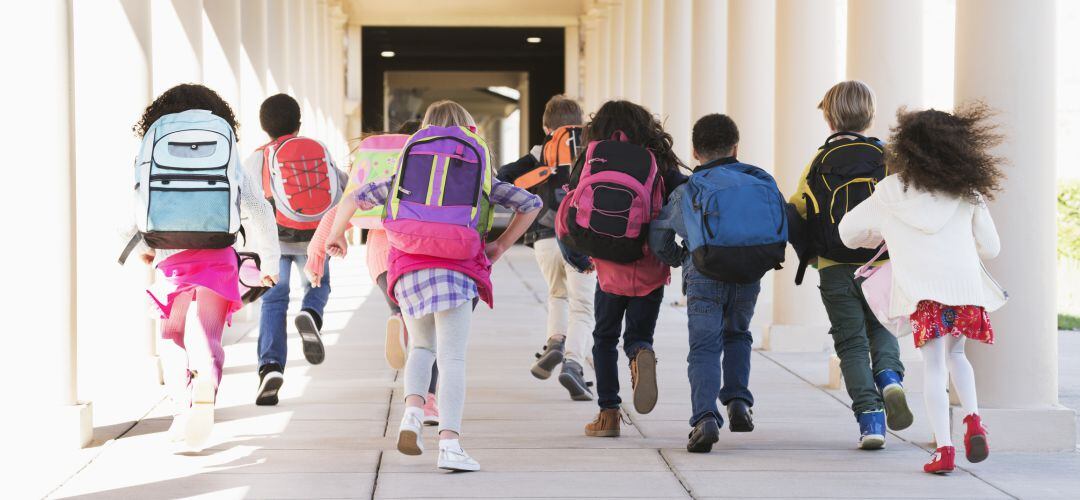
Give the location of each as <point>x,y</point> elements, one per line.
<point>944,356</point>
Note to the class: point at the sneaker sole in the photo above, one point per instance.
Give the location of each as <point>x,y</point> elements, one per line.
<point>872,442</point>
<point>395,351</point>
<point>458,466</point>
<point>897,414</point>
<point>408,443</point>
<point>543,367</point>
<point>314,352</point>
<point>578,392</point>
<point>645,391</point>
<point>703,442</point>
<point>200,419</point>
<point>430,421</point>
<point>268,390</point>
<point>977,449</point>
<point>603,434</point>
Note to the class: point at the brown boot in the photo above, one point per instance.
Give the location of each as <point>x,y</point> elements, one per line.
<point>606,424</point>
<point>643,380</point>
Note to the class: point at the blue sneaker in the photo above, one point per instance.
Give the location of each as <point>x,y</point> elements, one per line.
<point>872,430</point>
<point>897,413</point>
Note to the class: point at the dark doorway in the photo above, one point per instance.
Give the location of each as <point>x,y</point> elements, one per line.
<point>463,49</point>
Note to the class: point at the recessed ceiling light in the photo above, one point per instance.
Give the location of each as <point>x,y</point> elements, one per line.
<point>508,92</point>
<point>387,54</point>
<point>534,39</point>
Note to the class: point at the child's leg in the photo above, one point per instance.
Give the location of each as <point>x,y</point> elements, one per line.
<point>580,288</point>
<point>273,344</point>
<point>884,348</point>
<point>212,311</point>
<point>174,355</point>
<point>738,341</point>
<point>434,378</point>
<point>609,317</point>
<point>963,376</point>
<point>452,336</point>
<point>421,356</point>
<point>641,314</point>
<point>552,267</point>
<point>844,305</point>
<point>936,382</point>
<point>705,316</point>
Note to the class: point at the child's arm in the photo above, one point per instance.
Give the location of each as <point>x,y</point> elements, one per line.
<point>662,231</point>
<point>985,232</point>
<point>365,198</point>
<point>316,249</point>
<point>798,199</point>
<point>526,207</point>
<point>858,228</point>
<point>262,226</point>
<point>511,171</point>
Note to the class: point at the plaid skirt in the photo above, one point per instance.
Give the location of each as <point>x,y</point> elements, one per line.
<point>933,319</point>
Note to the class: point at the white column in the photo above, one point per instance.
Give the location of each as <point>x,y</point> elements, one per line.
<point>177,43</point>
<point>885,50</point>
<point>1005,57</point>
<point>751,89</point>
<point>308,98</point>
<point>676,70</point>
<point>652,56</point>
<point>294,23</point>
<point>617,13</point>
<point>221,49</point>
<point>45,409</point>
<point>278,52</point>
<point>632,51</point>
<point>603,70</point>
<point>353,70</point>
<point>807,64</point>
<point>320,75</point>
<point>337,62</point>
<point>253,72</point>
<point>708,91</point>
<point>572,55</point>
<point>112,33</point>
<point>592,64</point>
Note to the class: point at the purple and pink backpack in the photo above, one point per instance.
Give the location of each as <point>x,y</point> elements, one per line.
<point>439,201</point>
<point>614,195</point>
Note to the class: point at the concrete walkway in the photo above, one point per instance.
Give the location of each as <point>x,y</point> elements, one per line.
<point>332,436</point>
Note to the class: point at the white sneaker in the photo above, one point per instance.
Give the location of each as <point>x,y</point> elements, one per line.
<point>177,428</point>
<point>199,421</point>
<point>410,433</point>
<point>454,458</point>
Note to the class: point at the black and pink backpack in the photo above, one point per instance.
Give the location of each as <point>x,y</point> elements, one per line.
<point>614,194</point>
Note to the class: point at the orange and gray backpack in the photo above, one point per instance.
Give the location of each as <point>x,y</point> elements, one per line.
<point>301,182</point>
<point>559,151</point>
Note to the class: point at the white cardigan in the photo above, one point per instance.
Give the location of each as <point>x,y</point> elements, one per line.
<point>936,244</point>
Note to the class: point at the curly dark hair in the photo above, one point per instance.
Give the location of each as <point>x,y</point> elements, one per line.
<point>279,115</point>
<point>947,152</point>
<point>715,135</point>
<point>640,126</point>
<point>182,98</point>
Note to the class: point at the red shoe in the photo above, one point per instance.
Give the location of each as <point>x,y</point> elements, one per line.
<point>976,446</point>
<point>943,461</point>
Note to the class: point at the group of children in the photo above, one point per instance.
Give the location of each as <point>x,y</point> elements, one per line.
<point>608,211</point>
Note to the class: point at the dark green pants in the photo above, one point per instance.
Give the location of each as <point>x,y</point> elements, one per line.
<point>863,345</point>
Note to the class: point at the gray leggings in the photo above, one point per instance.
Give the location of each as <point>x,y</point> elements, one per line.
<point>444,334</point>
<point>395,309</point>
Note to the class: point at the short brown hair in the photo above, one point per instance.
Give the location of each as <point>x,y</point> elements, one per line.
<point>849,106</point>
<point>447,113</point>
<point>561,111</point>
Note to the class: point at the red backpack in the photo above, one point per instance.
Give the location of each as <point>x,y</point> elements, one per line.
<point>615,192</point>
<point>301,182</point>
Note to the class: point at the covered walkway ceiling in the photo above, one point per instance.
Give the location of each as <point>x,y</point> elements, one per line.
<point>473,13</point>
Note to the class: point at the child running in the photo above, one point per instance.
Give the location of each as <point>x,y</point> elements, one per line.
<point>839,178</point>
<point>629,147</point>
<point>439,269</point>
<point>207,277</point>
<point>932,213</point>
<point>570,292</point>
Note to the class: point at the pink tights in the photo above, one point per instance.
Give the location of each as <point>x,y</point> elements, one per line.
<point>202,350</point>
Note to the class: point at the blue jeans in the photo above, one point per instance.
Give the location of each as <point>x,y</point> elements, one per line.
<point>273,347</point>
<point>609,309</point>
<point>719,316</point>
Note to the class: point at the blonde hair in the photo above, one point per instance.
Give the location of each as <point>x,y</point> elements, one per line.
<point>447,113</point>
<point>849,106</point>
<point>561,111</point>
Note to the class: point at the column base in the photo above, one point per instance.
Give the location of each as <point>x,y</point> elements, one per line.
<point>71,427</point>
<point>1041,429</point>
<point>797,338</point>
<point>836,377</point>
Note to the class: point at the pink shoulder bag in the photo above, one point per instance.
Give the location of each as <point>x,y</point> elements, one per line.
<point>876,284</point>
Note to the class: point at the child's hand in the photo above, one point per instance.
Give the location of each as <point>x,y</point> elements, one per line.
<point>269,279</point>
<point>338,246</point>
<point>314,277</point>
<point>148,256</point>
<point>364,205</point>
<point>494,250</point>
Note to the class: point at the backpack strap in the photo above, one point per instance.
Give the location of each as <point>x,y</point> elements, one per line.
<point>842,133</point>
<point>620,136</point>
<point>129,247</point>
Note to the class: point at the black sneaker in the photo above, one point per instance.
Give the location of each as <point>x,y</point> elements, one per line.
<point>704,434</point>
<point>572,377</point>
<point>308,323</point>
<point>549,359</point>
<point>270,380</point>
<point>740,416</point>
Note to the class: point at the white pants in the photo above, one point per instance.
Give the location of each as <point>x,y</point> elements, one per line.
<point>570,300</point>
<point>942,357</point>
<point>444,334</point>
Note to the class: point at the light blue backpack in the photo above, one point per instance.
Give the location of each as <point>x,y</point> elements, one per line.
<point>187,184</point>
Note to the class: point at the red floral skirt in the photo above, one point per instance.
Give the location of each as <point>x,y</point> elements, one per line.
<point>933,319</point>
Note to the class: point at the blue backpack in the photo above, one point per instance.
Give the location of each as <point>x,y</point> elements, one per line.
<point>736,222</point>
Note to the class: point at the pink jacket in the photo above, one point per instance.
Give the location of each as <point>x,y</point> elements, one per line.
<point>478,268</point>
<point>636,279</point>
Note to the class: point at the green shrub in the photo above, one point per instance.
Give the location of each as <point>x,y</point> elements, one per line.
<point>1068,220</point>
<point>1068,322</point>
